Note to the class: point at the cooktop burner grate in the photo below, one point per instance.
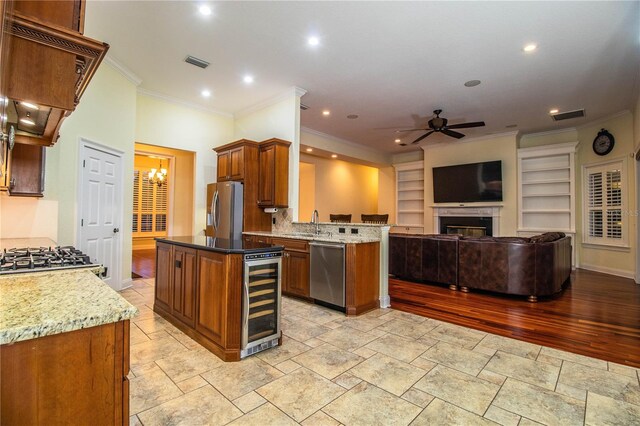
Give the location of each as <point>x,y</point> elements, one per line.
<point>38,258</point>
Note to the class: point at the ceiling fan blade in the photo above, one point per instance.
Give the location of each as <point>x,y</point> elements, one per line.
<point>466,125</point>
<point>410,130</point>
<point>423,136</point>
<point>452,133</point>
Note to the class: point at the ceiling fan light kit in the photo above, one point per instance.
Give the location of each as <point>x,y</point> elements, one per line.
<point>439,124</point>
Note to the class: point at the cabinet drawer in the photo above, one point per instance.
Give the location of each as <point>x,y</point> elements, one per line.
<point>291,244</point>
<point>407,230</point>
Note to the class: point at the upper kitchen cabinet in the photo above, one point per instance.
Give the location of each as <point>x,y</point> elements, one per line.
<point>50,64</point>
<point>233,158</point>
<point>274,173</point>
<point>26,170</point>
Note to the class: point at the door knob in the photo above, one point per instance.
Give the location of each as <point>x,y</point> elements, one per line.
<point>116,230</point>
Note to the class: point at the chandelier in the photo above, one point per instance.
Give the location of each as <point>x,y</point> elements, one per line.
<point>158,176</point>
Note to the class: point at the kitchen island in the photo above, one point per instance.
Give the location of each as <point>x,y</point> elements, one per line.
<point>199,289</point>
<point>64,353</point>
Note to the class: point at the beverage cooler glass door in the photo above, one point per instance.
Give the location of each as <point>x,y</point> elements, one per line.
<point>261,301</point>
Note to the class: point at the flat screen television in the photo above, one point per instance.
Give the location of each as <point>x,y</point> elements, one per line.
<point>468,183</point>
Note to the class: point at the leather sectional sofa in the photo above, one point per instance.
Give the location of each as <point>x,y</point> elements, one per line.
<point>532,267</point>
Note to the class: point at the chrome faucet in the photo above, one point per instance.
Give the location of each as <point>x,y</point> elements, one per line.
<point>315,219</point>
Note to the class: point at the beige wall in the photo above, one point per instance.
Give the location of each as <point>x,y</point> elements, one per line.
<point>181,195</point>
<point>307,190</point>
<point>636,123</point>
<point>25,217</point>
<point>499,147</point>
<point>342,188</point>
<point>387,192</point>
<point>280,119</point>
<point>617,261</point>
<point>170,125</point>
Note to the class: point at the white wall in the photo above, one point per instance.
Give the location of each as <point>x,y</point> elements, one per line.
<point>343,148</point>
<point>172,125</point>
<point>279,118</point>
<point>25,217</point>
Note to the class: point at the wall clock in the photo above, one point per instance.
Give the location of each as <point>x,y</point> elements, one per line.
<point>603,143</point>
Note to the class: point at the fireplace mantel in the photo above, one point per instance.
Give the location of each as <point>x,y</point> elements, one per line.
<point>470,210</point>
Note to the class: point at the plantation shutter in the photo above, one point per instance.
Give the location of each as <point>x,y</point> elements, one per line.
<point>604,204</point>
<point>150,203</point>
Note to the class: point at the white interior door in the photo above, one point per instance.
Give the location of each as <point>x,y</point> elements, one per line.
<point>100,211</point>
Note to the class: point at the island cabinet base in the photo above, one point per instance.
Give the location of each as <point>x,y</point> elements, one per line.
<point>78,377</point>
<point>362,278</point>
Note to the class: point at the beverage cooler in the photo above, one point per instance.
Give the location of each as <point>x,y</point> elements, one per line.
<point>261,302</point>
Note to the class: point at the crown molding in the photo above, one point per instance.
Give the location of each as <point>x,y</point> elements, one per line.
<point>605,118</point>
<point>182,102</point>
<point>550,132</point>
<point>292,91</point>
<point>343,141</point>
<point>475,139</point>
<point>122,69</point>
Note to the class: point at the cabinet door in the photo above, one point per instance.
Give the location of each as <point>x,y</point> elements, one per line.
<point>236,164</point>
<point>284,275</point>
<point>298,273</point>
<point>163,276</point>
<point>184,283</point>
<point>212,285</point>
<point>267,176</point>
<point>27,170</point>
<point>223,166</point>
<point>68,14</point>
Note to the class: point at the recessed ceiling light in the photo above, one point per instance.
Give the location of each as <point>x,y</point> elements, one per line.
<point>472,83</point>
<point>398,141</point>
<point>530,47</point>
<point>29,105</point>
<point>28,121</point>
<point>326,112</point>
<point>205,93</point>
<point>248,79</point>
<point>313,41</point>
<point>205,10</point>
<point>352,116</point>
<point>309,149</point>
<point>553,111</point>
<point>334,155</point>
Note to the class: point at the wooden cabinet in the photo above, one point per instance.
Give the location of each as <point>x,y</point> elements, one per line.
<point>78,377</point>
<point>295,266</point>
<point>200,292</point>
<point>183,304</point>
<point>49,64</point>
<point>231,164</point>
<point>25,171</point>
<point>164,270</point>
<point>224,158</point>
<point>274,173</point>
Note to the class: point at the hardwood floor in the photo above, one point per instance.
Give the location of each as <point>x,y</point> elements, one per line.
<point>596,315</point>
<point>144,263</point>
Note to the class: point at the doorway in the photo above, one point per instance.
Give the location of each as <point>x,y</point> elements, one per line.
<point>163,201</point>
<point>100,201</point>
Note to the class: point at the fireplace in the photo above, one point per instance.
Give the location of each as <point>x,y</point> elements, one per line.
<point>468,226</point>
<point>470,220</point>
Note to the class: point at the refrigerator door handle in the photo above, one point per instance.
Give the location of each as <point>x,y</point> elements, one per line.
<point>216,210</point>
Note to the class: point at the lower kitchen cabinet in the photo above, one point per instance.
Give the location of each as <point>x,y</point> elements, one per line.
<point>200,292</point>
<point>78,377</point>
<point>295,269</point>
<point>183,305</point>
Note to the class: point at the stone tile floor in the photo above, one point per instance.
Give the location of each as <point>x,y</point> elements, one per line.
<point>383,368</point>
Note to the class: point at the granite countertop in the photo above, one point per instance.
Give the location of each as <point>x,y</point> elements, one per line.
<point>220,245</point>
<point>44,303</point>
<point>352,224</point>
<point>329,238</point>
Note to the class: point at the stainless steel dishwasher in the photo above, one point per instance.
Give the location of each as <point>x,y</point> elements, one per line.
<point>327,272</point>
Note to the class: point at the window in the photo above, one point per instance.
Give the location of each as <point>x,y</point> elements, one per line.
<point>149,206</point>
<point>605,219</point>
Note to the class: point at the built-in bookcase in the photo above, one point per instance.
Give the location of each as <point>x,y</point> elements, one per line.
<point>409,198</point>
<point>546,198</point>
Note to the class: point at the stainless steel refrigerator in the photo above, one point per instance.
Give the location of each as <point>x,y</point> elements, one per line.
<point>224,210</point>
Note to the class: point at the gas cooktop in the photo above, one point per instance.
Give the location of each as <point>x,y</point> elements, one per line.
<point>34,259</point>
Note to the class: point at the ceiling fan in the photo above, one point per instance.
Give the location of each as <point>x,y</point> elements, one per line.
<point>438,124</point>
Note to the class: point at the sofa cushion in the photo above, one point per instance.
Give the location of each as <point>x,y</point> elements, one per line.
<point>520,240</point>
<point>547,237</point>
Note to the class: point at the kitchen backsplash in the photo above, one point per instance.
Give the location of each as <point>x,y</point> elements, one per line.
<point>285,225</point>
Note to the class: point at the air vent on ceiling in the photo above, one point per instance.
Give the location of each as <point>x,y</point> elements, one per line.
<point>304,107</point>
<point>197,62</point>
<point>568,115</point>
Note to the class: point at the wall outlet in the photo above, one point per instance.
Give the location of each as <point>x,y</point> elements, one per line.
<point>354,230</point>
<point>273,220</point>
<point>341,230</point>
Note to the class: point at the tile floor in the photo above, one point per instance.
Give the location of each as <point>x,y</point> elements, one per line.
<point>386,367</point>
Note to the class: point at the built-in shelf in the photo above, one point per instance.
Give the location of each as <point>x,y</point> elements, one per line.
<point>546,204</point>
<point>410,178</point>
